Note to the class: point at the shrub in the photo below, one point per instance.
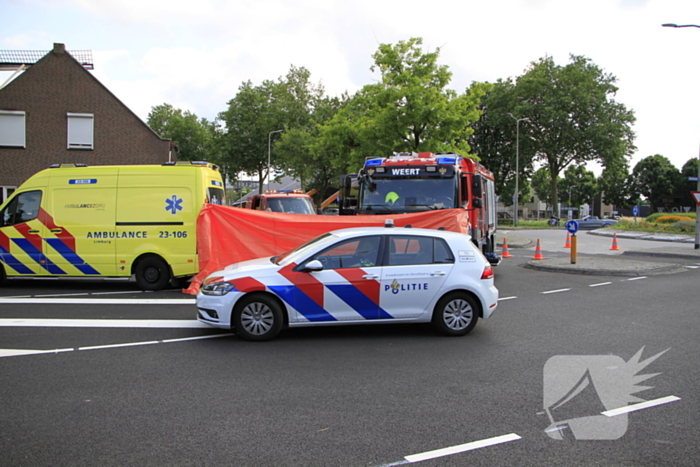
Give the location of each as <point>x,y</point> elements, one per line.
<point>684,226</point>
<point>670,219</point>
<point>653,218</point>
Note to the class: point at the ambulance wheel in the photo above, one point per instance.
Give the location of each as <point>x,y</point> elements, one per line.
<point>257,318</point>
<point>456,314</point>
<point>2,274</point>
<point>152,273</point>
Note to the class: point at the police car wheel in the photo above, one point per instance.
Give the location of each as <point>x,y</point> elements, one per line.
<point>456,314</point>
<point>152,274</point>
<point>257,318</point>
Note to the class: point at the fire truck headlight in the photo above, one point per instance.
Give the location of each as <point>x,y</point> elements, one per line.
<point>218,288</point>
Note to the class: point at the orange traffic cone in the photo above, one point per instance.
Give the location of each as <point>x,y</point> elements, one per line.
<point>538,251</point>
<point>568,241</point>
<point>614,245</point>
<point>504,249</point>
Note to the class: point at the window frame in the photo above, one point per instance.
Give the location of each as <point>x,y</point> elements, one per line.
<point>78,135</point>
<point>11,122</point>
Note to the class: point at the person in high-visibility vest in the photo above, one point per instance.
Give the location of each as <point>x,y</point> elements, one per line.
<point>391,198</point>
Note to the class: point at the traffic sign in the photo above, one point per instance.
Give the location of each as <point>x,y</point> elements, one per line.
<point>572,227</point>
<point>692,179</point>
<point>696,195</point>
<point>635,211</point>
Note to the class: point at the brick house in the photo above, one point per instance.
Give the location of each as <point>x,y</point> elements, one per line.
<point>58,112</point>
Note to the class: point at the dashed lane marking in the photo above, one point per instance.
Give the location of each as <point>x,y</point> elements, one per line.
<point>640,406</point>
<point>600,284</point>
<point>462,448</point>
<point>104,323</point>
<point>20,352</point>
<point>100,301</point>
<point>554,291</point>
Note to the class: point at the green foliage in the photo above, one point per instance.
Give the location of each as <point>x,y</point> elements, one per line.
<point>658,215</point>
<point>656,178</point>
<point>580,184</point>
<point>410,109</point>
<point>194,137</point>
<point>572,118</point>
<point>256,111</point>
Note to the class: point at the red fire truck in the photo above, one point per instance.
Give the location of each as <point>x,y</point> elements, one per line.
<point>415,182</point>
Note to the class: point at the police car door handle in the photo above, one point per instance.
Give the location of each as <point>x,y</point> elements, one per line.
<point>438,273</point>
<point>370,276</point>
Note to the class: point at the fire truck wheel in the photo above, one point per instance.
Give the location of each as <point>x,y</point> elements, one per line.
<point>456,314</point>
<point>257,318</point>
<point>152,273</point>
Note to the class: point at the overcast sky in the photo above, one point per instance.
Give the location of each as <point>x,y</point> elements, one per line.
<point>195,54</point>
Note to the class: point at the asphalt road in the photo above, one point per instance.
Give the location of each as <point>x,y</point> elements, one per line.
<point>356,396</point>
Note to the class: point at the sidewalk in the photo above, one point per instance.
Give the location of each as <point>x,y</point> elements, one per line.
<point>614,265</point>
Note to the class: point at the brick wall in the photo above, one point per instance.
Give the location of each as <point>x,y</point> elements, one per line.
<point>47,91</point>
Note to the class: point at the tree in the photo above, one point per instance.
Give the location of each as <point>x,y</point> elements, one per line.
<point>573,117</point>
<point>541,184</point>
<point>496,143</point>
<point>656,178</point>
<point>193,136</point>
<point>579,186</point>
<point>690,169</point>
<point>410,109</point>
<point>615,184</point>
<point>256,111</point>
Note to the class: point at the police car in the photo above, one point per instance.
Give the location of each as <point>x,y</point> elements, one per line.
<point>351,276</point>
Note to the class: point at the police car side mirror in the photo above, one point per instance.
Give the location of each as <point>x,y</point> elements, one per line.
<point>313,266</point>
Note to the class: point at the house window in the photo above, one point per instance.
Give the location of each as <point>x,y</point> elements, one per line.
<point>5,192</point>
<point>13,128</point>
<point>80,131</point>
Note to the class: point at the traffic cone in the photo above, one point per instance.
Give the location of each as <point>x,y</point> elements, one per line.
<point>614,245</point>
<point>504,249</point>
<point>568,241</point>
<point>538,251</point>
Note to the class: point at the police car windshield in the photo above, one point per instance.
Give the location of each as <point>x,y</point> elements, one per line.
<point>294,255</point>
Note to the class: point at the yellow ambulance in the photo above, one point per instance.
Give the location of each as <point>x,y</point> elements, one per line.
<point>73,220</point>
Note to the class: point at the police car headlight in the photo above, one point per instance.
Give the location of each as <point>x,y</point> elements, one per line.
<point>217,288</point>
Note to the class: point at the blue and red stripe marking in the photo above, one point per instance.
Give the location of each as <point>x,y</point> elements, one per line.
<point>306,294</point>
<point>32,245</point>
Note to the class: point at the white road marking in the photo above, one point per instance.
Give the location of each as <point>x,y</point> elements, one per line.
<point>638,278</point>
<point>640,406</point>
<point>554,291</point>
<point>103,323</point>
<point>462,448</point>
<point>507,298</point>
<point>20,352</point>
<point>101,301</point>
<point>598,285</point>
<point>63,295</point>
<point>692,267</point>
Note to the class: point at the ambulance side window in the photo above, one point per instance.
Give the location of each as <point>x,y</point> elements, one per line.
<point>22,208</point>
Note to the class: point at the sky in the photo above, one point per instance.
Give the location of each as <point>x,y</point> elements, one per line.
<point>194,55</point>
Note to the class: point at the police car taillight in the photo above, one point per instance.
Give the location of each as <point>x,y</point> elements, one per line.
<point>488,273</point>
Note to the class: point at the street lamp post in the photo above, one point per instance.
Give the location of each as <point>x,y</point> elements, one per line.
<point>570,215</point>
<point>517,164</point>
<point>269,151</point>
<point>697,214</point>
